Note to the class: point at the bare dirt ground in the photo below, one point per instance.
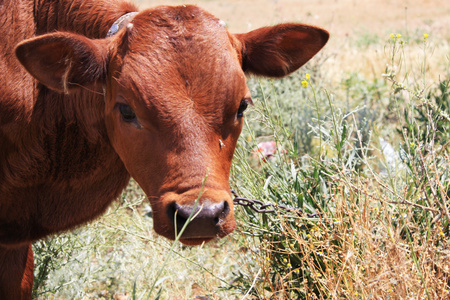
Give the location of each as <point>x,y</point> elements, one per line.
<point>340,17</point>
<point>348,21</point>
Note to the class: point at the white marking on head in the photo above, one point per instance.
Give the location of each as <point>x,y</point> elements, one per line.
<point>222,23</point>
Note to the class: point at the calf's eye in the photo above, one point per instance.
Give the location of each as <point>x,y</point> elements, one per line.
<point>242,107</point>
<point>127,113</point>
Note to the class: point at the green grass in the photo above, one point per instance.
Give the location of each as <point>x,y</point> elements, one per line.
<point>384,223</point>
<point>365,152</point>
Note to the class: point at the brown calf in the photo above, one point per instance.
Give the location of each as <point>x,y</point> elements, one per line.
<point>161,100</point>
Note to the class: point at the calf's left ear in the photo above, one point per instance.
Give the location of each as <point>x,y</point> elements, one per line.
<point>64,61</point>
<point>279,50</point>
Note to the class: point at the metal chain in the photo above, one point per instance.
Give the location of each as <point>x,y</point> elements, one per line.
<point>259,206</point>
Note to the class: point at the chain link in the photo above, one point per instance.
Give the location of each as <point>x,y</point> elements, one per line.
<point>259,206</point>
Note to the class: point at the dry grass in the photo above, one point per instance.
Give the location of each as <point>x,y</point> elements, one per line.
<point>384,223</point>
<point>119,257</point>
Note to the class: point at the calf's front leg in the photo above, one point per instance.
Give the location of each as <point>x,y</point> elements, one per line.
<point>16,273</point>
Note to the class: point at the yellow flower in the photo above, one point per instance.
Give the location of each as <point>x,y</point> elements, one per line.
<point>391,35</point>
<point>441,233</point>
<point>399,35</point>
<point>308,76</point>
<point>304,83</point>
<point>426,35</point>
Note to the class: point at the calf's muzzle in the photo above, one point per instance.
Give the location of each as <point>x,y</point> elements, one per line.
<point>206,218</point>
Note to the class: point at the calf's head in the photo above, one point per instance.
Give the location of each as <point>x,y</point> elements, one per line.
<point>175,94</point>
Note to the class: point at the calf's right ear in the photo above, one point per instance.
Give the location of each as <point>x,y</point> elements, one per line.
<point>64,61</point>
<point>279,50</point>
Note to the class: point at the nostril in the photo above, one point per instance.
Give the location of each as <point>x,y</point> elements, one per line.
<point>224,212</point>
<point>182,213</point>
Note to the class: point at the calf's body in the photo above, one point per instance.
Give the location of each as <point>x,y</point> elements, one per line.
<point>162,100</point>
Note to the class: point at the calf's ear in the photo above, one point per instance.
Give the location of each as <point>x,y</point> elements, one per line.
<point>279,50</point>
<point>64,61</point>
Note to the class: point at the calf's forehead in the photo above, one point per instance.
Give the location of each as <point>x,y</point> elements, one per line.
<point>184,46</point>
<point>177,21</point>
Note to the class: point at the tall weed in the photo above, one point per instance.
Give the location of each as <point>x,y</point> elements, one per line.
<point>367,206</point>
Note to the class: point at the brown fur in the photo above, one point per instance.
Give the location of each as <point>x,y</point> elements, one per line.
<point>65,150</point>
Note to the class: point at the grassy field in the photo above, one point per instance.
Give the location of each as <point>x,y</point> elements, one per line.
<point>362,164</point>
